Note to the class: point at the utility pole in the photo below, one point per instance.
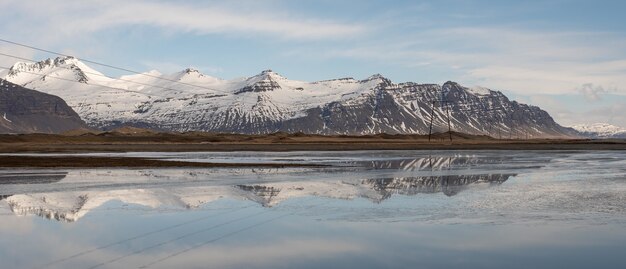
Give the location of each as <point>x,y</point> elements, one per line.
<point>511,128</point>
<point>430,128</point>
<point>449,128</point>
<point>432,115</point>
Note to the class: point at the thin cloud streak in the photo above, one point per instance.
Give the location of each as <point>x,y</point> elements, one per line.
<point>527,56</point>
<point>73,18</point>
<point>521,61</point>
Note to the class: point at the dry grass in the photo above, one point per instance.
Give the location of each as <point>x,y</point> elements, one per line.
<point>197,141</point>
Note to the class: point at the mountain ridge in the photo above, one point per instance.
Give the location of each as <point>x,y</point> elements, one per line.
<point>268,103</point>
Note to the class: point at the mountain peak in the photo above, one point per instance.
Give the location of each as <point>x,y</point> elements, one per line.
<point>379,79</point>
<point>262,82</point>
<point>43,68</point>
<point>189,73</point>
<point>55,62</point>
<point>268,74</point>
<point>64,60</point>
<point>375,76</point>
<point>190,70</point>
<point>450,83</point>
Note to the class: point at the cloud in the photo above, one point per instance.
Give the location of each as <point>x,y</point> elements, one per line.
<point>528,58</point>
<point>573,109</point>
<point>506,57</point>
<point>613,114</point>
<point>555,107</point>
<point>75,18</point>
<point>591,92</point>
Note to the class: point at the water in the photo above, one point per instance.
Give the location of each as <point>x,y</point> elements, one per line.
<point>367,209</point>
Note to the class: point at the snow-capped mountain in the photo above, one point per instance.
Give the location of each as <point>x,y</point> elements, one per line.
<point>600,130</point>
<point>269,102</point>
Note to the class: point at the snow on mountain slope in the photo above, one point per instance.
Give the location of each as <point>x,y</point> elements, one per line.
<point>600,130</point>
<point>269,102</point>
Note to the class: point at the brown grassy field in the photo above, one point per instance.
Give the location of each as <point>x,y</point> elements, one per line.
<point>138,140</point>
<point>196,141</point>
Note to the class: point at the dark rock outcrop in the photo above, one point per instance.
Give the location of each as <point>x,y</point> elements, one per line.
<point>27,111</point>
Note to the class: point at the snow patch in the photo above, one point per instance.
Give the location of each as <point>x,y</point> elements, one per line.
<point>477,90</point>
<point>5,117</point>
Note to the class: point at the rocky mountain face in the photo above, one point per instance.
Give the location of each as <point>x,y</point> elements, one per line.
<point>28,111</point>
<point>268,102</point>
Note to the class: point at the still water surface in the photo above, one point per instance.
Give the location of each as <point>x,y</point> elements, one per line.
<point>367,209</point>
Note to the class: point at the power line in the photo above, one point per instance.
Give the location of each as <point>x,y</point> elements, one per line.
<point>89,84</point>
<point>214,240</point>
<point>92,73</point>
<point>120,79</point>
<point>177,238</point>
<point>469,106</point>
<point>224,236</point>
<point>114,88</point>
<point>137,237</point>
<point>101,64</point>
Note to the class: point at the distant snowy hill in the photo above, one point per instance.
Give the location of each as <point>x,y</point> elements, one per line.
<point>268,102</point>
<point>600,130</point>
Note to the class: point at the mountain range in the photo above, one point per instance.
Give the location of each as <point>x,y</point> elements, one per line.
<point>268,102</point>
<point>600,130</point>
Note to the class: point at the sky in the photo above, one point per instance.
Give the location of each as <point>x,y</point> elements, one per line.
<point>565,56</point>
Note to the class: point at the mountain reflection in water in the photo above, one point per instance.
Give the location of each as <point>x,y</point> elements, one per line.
<point>70,206</point>
<point>32,177</point>
<point>68,196</point>
<point>449,185</point>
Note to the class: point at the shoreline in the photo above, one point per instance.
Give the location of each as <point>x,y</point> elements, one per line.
<point>124,162</point>
<point>286,147</point>
<point>280,142</point>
